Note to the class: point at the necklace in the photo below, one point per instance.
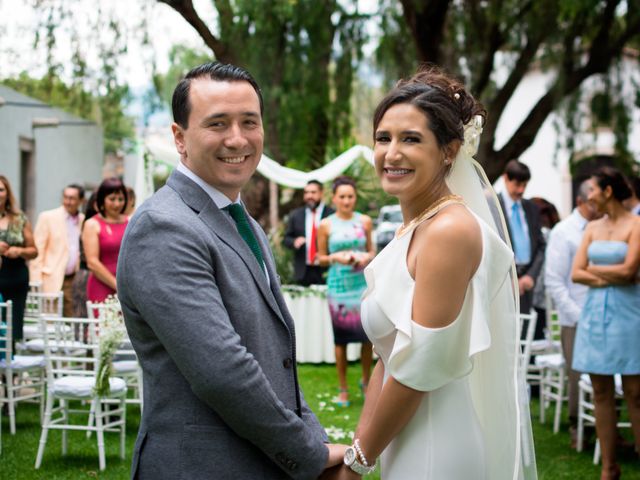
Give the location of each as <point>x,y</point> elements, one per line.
<point>430,211</point>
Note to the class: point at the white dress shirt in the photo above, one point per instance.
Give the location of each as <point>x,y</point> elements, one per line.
<point>219,198</point>
<point>73,238</point>
<point>564,240</point>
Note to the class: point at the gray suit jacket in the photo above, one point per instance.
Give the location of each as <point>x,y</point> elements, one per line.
<point>217,348</point>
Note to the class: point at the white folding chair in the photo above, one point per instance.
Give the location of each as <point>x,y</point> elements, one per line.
<point>72,367</point>
<point>22,376</point>
<point>125,362</point>
<point>38,304</point>
<point>527,330</point>
<point>586,411</point>
<point>552,385</point>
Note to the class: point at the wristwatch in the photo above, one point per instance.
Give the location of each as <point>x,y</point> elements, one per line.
<point>351,461</point>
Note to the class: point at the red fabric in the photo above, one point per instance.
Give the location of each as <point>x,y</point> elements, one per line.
<point>313,249</point>
<point>109,238</point>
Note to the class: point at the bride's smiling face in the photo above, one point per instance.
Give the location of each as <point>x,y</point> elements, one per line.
<point>407,156</point>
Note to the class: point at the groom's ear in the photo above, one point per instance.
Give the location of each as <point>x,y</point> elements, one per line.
<point>178,138</point>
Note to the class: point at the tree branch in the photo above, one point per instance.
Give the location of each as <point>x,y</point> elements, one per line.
<point>426,23</point>
<point>185,8</point>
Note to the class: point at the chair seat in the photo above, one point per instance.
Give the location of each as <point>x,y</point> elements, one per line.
<point>24,362</point>
<point>82,387</point>
<point>125,366</point>
<point>550,360</point>
<point>585,379</point>
<point>544,345</point>
<point>37,345</point>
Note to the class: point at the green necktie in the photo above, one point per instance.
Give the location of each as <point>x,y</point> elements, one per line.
<point>244,229</point>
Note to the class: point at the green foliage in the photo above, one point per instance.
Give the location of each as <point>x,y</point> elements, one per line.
<point>95,95</point>
<point>304,55</point>
<point>106,110</point>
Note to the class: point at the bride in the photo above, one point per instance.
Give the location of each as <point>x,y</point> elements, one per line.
<point>440,305</point>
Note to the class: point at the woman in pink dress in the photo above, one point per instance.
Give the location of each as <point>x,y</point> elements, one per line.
<point>101,239</point>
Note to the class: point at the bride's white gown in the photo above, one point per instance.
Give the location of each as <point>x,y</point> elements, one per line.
<point>450,436</point>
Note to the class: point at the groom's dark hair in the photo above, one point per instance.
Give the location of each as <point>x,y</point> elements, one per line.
<point>221,72</point>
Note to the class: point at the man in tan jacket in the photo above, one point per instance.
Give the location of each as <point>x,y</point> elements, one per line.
<point>57,237</point>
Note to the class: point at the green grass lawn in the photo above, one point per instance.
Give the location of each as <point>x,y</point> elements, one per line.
<point>555,459</point>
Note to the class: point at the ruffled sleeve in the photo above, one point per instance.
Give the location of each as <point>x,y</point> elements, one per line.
<point>426,359</point>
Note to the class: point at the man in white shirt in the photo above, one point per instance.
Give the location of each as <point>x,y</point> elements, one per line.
<point>57,237</point>
<point>568,297</point>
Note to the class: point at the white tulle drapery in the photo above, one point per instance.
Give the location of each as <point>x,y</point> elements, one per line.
<point>164,151</point>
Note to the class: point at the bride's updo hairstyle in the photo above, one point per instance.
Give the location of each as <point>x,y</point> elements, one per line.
<point>444,101</point>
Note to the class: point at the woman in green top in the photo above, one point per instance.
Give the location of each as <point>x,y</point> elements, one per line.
<point>344,243</point>
<point>16,246</point>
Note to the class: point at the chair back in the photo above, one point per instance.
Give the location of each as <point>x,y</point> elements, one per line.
<point>527,330</point>
<point>36,305</point>
<point>553,321</point>
<point>39,303</point>
<point>6,331</point>
<point>68,353</point>
<point>35,287</point>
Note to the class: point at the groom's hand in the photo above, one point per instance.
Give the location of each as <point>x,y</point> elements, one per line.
<point>336,454</point>
<point>340,472</point>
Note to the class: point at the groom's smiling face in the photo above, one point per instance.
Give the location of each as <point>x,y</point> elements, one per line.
<point>224,138</point>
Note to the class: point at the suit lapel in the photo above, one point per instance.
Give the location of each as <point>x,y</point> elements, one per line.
<point>198,200</point>
<point>528,217</point>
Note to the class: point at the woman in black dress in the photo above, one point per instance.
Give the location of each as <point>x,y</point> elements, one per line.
<point>16,246</point>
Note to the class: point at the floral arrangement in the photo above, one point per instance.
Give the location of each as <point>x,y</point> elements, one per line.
<point>111,335</point>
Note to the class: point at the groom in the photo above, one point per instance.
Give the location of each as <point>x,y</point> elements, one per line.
<point>203,307</point>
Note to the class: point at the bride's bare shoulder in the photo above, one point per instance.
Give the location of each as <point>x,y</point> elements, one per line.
<point>454,233</point>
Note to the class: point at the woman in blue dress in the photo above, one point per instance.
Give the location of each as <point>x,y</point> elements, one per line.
<point>344,243</point>
<point>608,333</point>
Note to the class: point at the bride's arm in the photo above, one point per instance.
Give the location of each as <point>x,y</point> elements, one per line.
<point>442,276</point>
<point>371,399</point>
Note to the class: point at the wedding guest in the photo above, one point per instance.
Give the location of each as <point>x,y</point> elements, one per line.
<point>57,238</point>
<point>633,202</point>
<point>344,244</point>
<point>608,332</point>
<point>568,297</point>
<point>549,217</point>
<point>523,223</point>
<point>79,287</point>
<point>131,202</point>
<point>440,305</point>
<point>16,246</point>
<point>101,239</point>
<point>302,235</point>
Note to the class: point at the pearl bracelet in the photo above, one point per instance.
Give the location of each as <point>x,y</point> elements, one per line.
<point>356,445</point>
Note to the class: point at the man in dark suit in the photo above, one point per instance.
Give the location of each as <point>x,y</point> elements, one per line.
<point>301,235</point>
<point>204,311</point>
<point>523,222</point>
